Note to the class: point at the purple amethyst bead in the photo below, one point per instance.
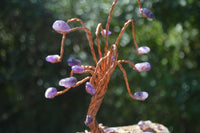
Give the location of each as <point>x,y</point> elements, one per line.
<point>143,50</point>
<point>159,127</point>
<point>143,67</point>
<point>52,58</point>
<point>113,58</point>
<point>144,125</point>
<point>68,82</point>
<point>50,92</point>
<point>73,62</point>
<point>88,120</point>
<point>146,13</point>
<point>90,88</point>
<point>104,32</point>
<point>61,26</point>
<point>78,69</point>
<point>110,130</point>
<point>141,95</point>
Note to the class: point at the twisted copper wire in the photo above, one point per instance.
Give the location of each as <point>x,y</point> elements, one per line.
<point>105,67</point>
<point>133,33</point>
<point>100,74</point>
<point>77,84</point>
<point>99,26</point>
<point>128,62</point>
<point>88,34</point>
<point>126,80</point>
<point>89,37</point>
<point>62,47</point>
<point>108,25</point>
<point>139,4</point>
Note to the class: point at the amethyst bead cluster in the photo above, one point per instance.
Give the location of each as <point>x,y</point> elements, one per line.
<point>142,67</point>
<point>70,81</point>
<point>62,27</point>
<point>75,64</point>
<point>145,66</point>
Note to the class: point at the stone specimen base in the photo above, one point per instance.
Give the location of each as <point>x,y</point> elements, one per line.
<point>141,127</point>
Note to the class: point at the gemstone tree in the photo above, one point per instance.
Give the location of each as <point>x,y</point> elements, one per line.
<point>101,72</point>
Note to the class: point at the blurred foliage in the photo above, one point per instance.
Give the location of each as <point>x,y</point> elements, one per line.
<point>26,38</point>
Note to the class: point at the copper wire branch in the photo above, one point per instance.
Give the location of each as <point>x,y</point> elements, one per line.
<point>133,33</point>
<point>88,34</point>
<point>128,62</point>
<point>108,25</point>
<point>85,71</point>
<point>88,67</point>
<point>77,84</point>
<point>126,80</point>
<point>139,4</point>
<point>99,26</point>
<point>62,47</point>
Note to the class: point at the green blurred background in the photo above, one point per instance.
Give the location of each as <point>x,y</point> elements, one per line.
<point>26,38</point>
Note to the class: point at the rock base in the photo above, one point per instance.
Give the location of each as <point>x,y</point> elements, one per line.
<point>141,127</point>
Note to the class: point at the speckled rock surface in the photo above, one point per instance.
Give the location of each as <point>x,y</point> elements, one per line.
<point>141,127</point>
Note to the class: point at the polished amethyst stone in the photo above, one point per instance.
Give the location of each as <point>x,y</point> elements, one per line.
<point>145,125</point>
<point>52,58</point>
<point>50,92</point>
<point>90,88</point>
<point>143,67</point>
<point>68,82</point>
<point>159,127</point>
<point>141,95</point>
<point>104,32</point>
<point>73,62</point>
<point>88,120</point>
<point>113,58</point>
<point>61,26</point>
<point>78,69</point>
<point>110,130</point>
<point>146,13</point>
<point>143,50</point>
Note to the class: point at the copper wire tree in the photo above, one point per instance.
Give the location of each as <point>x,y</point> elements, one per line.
<point>104,67</point>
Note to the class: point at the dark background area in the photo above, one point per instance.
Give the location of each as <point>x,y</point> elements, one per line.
<point>27,37</point>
